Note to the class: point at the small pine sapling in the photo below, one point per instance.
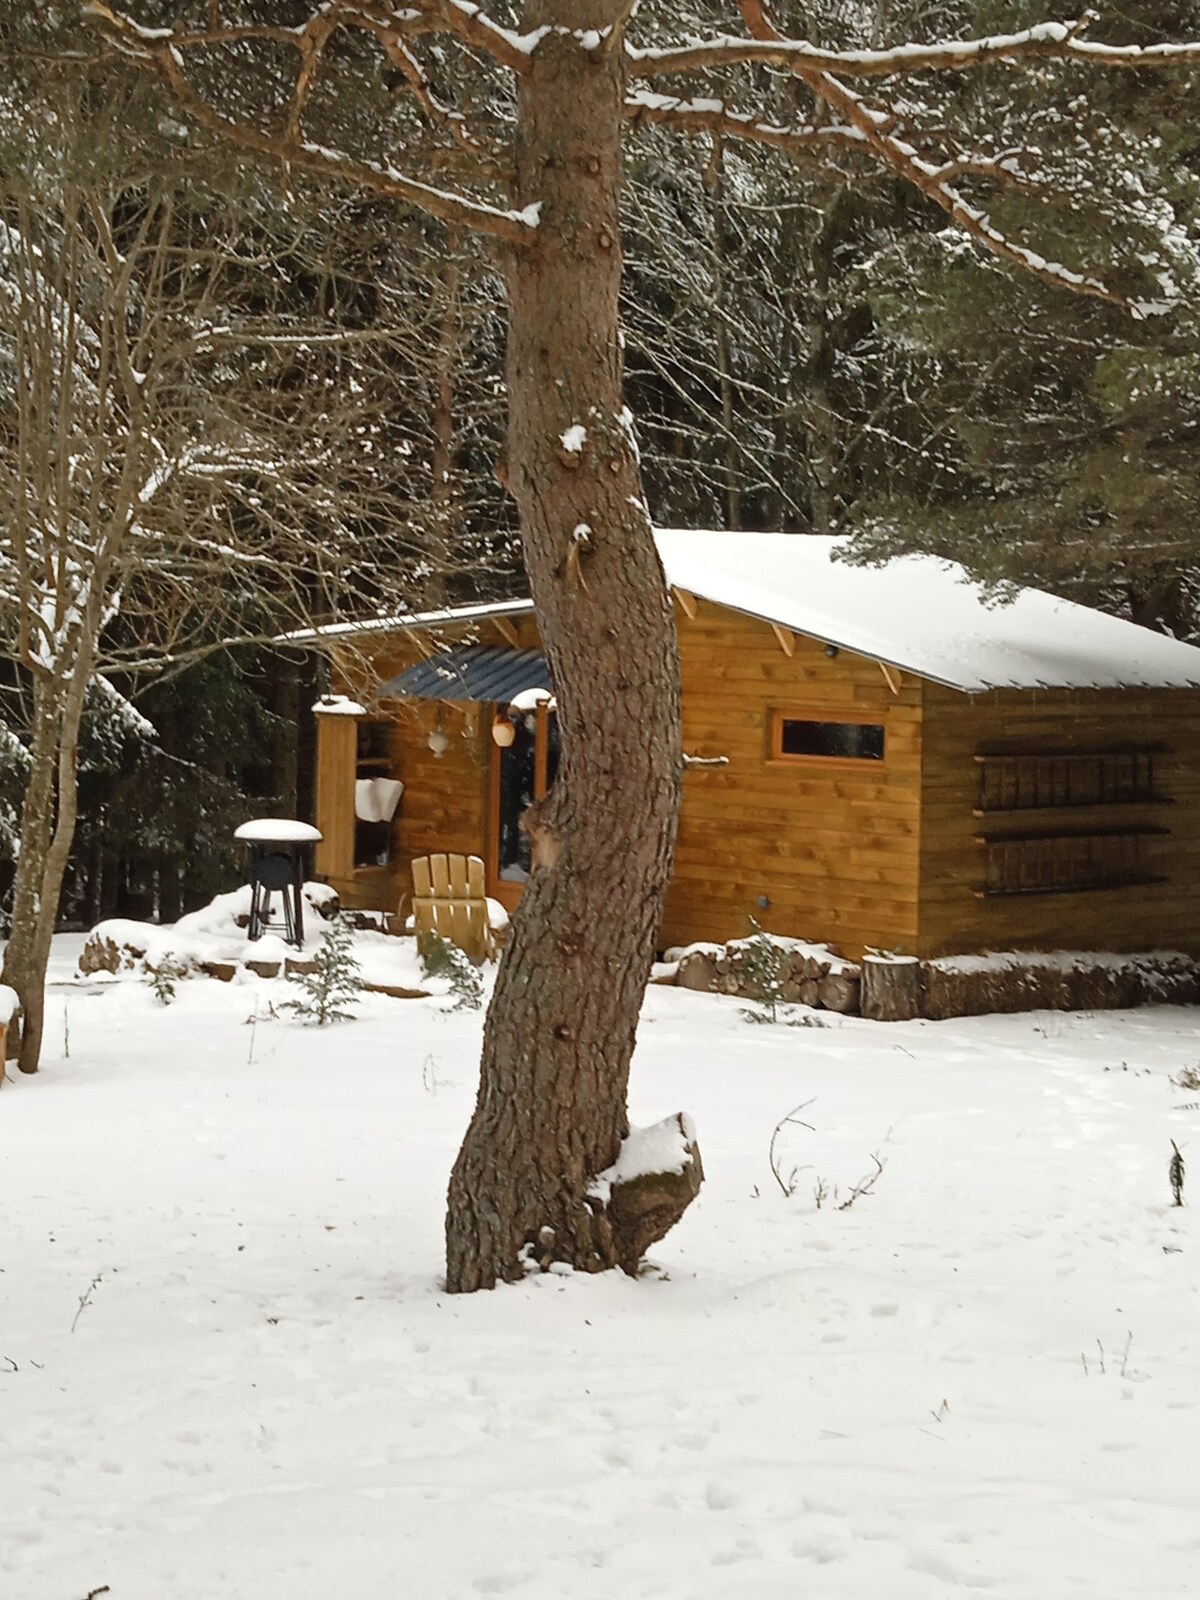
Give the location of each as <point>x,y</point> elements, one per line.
<point>163,978</point>
<point>1175,1173</point>
<point>336,983</point>
<point>762,975</point>
<point>441,959</point>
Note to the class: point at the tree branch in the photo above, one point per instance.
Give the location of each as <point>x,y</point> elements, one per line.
<point>876,130</point>
<point>468,24</point>
<point>156,49</point>
<point>1049,41</point>
<point>402,58</point>
<point>465,21</point>
<point>714,117</point>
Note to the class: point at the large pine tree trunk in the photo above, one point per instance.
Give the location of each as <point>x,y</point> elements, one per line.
<point>551,1111</point>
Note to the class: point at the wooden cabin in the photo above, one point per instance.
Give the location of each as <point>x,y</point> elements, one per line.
<point>895,762</point>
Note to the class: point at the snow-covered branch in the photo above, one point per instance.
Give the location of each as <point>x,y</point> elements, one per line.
<point>1049,41</point>
<point>934,179</point>
<point>163,52</point>
<point>697,116</point>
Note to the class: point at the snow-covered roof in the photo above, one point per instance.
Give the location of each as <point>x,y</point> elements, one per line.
<point>918,613</point>
<point>923,615</point>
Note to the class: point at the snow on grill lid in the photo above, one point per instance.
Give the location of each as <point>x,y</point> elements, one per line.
<point>923,615</point>
<point>277,830</point>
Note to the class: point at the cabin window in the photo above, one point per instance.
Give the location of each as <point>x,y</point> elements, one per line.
<point>373,759</point>
<point>799,736</point>
<point>1109,858</point>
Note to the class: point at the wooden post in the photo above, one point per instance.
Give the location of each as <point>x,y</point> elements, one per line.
<point>337,749</point>
<point>891,988</point>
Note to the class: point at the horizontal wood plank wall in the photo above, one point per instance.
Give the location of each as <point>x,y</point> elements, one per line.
<point>954,920</point>
<point>835,846</point>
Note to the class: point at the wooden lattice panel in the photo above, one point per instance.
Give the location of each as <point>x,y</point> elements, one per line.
<point>1046,780</point>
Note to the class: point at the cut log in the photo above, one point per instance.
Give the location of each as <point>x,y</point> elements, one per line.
<point>396,991</point>
<point>640,1199</point>
<point>838,991</point>
<point>891,988</point>
<point>697,970</point>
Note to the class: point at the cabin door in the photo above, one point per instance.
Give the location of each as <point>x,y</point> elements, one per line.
<point>521,773</point>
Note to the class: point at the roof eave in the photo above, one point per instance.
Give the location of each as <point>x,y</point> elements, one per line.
<point>333,633</point>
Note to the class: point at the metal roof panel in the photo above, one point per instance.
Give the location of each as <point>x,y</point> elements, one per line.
<point>487,672</point>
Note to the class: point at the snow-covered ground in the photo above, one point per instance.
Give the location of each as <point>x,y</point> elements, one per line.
<point>984,1375</point>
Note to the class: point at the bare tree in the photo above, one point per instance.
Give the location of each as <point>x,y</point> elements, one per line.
<point>185,461</point>
<point>516,129</point>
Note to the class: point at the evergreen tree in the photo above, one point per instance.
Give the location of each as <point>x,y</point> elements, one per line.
<point>762,968</point>
<point>336,983</point>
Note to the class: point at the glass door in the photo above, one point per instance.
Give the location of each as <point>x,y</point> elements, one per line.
<point>522,772</point>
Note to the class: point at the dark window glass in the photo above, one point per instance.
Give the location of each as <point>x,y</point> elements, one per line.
<point>847,741</point>
<point>374,741</point>
<point>518,781</point>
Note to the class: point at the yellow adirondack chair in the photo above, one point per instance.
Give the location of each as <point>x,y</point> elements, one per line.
<point>449,899</point>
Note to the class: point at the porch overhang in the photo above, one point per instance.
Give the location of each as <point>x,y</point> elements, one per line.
<point>479,672</point>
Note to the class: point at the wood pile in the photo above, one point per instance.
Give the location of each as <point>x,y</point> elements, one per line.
<point>1032,982</point>
<point>811,975</point>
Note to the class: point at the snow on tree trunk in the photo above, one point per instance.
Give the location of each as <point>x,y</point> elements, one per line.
<point>551,1112</point>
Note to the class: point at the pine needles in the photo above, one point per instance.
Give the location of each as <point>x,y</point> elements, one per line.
<point>326,993</point>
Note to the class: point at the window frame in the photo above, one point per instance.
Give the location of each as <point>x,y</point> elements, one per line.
<point>777,756</point>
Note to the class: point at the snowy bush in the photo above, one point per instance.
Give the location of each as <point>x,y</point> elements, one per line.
<point>763,970</point>
<point>163,976</point>
<point>441,959</point>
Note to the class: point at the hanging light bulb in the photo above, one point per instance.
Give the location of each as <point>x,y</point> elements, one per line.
<point>503,732</point>
<point>438,742</point>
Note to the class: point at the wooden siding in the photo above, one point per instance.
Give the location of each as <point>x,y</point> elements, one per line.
<point>854,852</point>
<point>832,844</point>
<point>444,805</point>
<point>953,919</point>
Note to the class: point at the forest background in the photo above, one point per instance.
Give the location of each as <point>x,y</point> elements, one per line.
<point>809,348</point>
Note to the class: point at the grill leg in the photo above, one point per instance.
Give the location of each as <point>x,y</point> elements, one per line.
<point>289,917</point>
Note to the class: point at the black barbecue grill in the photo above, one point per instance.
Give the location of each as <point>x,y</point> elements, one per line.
<point>279,850</point>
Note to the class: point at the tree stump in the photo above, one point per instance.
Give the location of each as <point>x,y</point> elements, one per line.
<point>891,988</point>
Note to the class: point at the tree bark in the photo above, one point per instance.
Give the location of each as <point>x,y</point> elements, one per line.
<point>37,821</point>
<point>891,988</point>
<point>47,831</point>
<point>551,1110</point>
